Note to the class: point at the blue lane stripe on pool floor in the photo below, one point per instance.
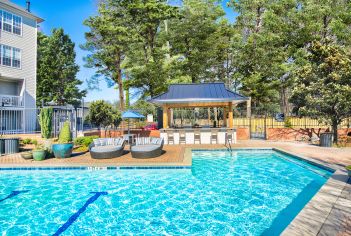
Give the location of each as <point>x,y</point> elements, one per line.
<point>13,194</point>
<point>75,216</point>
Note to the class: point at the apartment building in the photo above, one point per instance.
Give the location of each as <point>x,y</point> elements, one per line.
<point>18,57</point>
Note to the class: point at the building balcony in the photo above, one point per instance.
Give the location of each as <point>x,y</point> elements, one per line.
<point>11,101</point>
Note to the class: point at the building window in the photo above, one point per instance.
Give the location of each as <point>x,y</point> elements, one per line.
<point>10,22</point>
<point>16,59</point>
<point>10,56</point>
<point>17,25</point>
<point>7,21</point>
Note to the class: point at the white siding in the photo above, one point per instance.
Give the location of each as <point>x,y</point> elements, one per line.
<point>27,42</point>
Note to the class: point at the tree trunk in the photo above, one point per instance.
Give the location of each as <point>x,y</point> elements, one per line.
<point>120,87</point>
<point>335,130</point>
<point>284,101</point>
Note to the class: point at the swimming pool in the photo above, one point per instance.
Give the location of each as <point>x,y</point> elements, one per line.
<point>248,192</point>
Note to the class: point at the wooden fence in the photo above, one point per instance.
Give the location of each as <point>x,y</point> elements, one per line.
<point>259,124</point>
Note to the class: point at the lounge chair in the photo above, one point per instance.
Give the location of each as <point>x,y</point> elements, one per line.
<point>147,147</point>
<point>105,148</point>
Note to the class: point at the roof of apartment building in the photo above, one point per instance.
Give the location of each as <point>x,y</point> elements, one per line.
<point>10,5</point>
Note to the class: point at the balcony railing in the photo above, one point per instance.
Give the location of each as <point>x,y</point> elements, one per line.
<point>11,101</point>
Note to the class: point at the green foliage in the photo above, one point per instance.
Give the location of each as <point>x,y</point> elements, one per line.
<point>57,70</point>
<point>258,55</point>
<point>65,135</point>
<point>287,123</point>
<point>102,114</point>
<point>45,120</point>
<point>140,124</point>
<point>323,85</point>
<point>348,167</point>
<point>39,147</point>
<point>29,141</point>
<point>84,141</point>
<point>144,108</point>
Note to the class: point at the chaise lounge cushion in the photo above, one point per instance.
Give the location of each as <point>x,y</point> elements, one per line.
<point>144,148</point>
<point>109,148</point>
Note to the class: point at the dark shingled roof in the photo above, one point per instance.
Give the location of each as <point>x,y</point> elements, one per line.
<point>206,92</point>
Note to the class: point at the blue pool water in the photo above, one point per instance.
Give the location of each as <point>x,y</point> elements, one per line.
<point>255,192</point>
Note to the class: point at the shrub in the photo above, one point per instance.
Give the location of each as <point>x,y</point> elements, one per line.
<point>348,167</point>
<point>287,123</point>
<point>84,141</point>
<point>45,120</point>
<point>27,141</point>
<point>65,133</point>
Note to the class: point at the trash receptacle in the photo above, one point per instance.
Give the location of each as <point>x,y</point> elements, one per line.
<point>326,140</point>
<point>11,145</point>
<point>2,146</point>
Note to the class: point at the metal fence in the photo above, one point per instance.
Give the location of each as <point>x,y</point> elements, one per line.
<point>26,120</point>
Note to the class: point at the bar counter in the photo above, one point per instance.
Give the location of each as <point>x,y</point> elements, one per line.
<point>205,135</point>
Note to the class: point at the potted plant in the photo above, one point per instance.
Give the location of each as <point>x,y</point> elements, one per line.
<point>45,120</point>
<point>27,155</point>
<point>348,168</point>
<point>65,146</point>
<point>39,152</point>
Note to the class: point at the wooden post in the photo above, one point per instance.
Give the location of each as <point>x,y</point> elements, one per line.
<point>248,108</point>
<point>169,116</point>
<point>165,117</point>
<point>225,114</point>
<point>230,115</point>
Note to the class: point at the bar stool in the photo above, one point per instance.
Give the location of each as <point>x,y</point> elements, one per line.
<point>214,136</point>
<point>197,136</point>
<point>230,136</point>
<point>182,137</point>
<point>170,136</point>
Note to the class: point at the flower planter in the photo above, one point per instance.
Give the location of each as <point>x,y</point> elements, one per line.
<point>62,150</point>
<point>39,155</point>
<point>27,155</point>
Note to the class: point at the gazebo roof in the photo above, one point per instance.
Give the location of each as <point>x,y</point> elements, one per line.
<point>196,93</point>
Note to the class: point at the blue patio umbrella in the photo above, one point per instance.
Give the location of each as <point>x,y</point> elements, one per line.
<point>130,114</point>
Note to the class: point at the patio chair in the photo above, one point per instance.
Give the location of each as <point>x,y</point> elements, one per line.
<point>170,136</point>
<point>230,136</point>
<point>147,147</point>
<point>182,138</point>
<point>197,136</point>
<point>214,136</point>
<point>106,148</point>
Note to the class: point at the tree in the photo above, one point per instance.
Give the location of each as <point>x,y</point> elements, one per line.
<point>144,107</point>
<point>101,114</point>
<point>323,85</point>
<point>200,36</point>
<point>148,63</point>
<point>57,70</point>
<point>111,34</point>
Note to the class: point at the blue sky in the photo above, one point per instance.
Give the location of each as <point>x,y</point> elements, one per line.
<point>69,15</point>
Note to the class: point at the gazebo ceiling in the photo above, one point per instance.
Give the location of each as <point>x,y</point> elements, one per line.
<point>205,93</point>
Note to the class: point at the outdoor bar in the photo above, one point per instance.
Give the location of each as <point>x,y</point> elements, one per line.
<point>184,107</point>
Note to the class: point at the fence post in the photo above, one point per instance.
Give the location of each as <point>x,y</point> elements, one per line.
<point>265,126</point>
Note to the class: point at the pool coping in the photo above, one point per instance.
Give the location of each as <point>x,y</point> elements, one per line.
<point>314,215</point>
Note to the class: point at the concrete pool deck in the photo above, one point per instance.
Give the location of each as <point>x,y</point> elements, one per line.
<point>328,212</point>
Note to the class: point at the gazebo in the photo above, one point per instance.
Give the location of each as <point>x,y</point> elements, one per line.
<point>202,95</point>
